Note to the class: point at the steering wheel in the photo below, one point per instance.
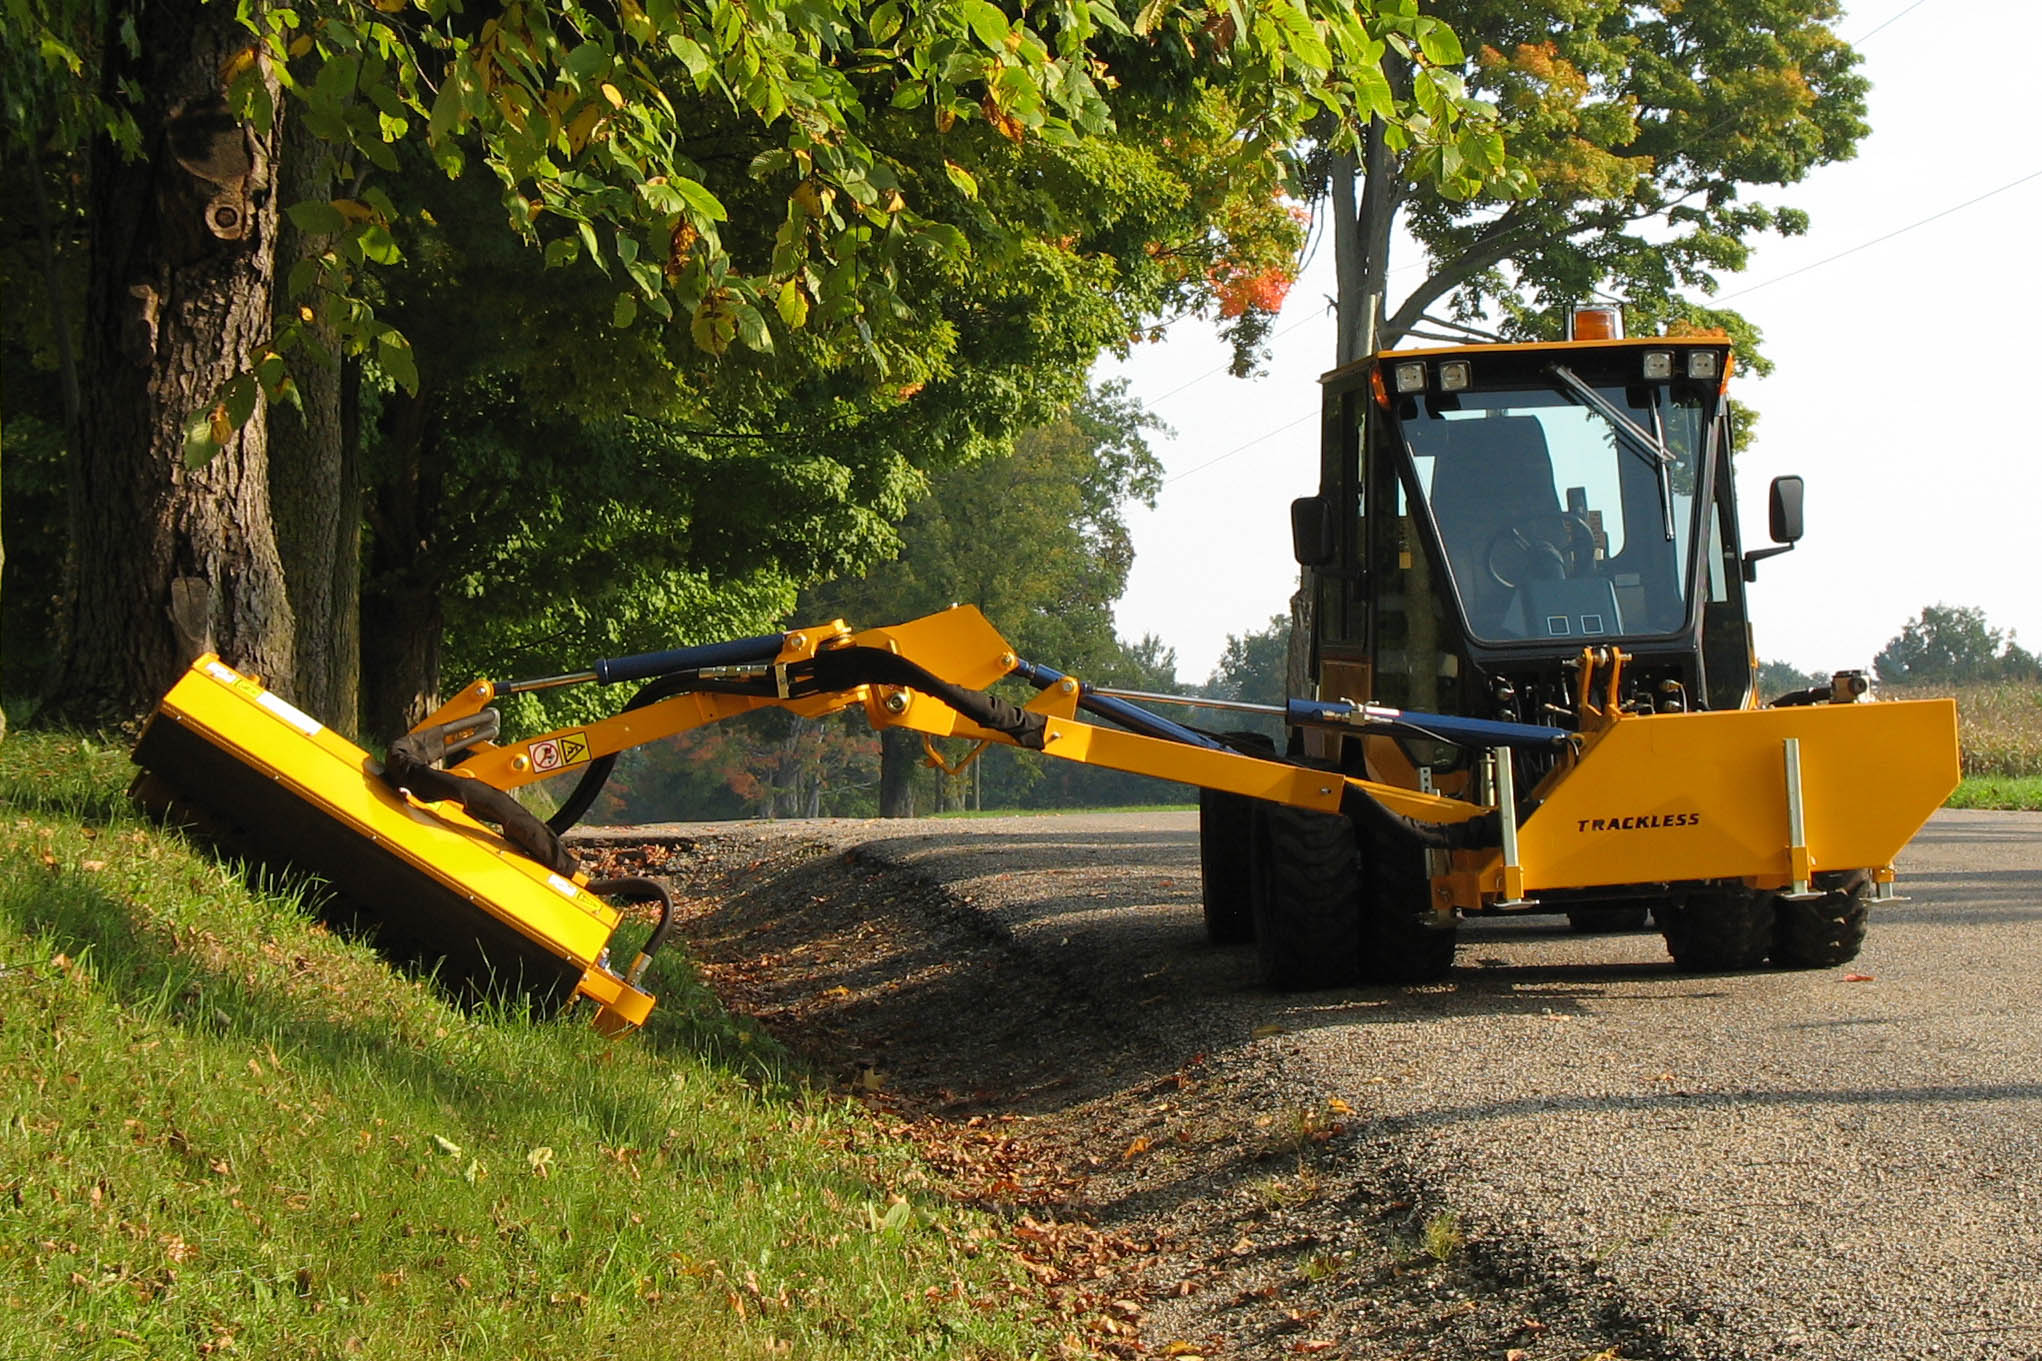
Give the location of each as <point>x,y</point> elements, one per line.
<point>1529,551</point>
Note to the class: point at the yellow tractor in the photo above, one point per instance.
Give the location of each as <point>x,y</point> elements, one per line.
<point>1534,692</point>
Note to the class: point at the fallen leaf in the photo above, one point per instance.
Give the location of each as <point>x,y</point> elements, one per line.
<point>1138,1147</point>
<point>446,1146</point>
<point>1339,1107</point>
<point>1263,1032</point>
<point>1858,978</point>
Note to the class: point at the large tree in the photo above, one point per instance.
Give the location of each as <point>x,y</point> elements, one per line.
<point>1643,127</point>
<point>727,168</point>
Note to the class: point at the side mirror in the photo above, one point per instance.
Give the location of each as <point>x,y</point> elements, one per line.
<point>1783,516</point>
<point>1784,509</point>
<point>1312,538</point>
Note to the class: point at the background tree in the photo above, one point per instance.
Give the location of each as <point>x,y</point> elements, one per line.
<point>1642,125</point>
<point>1778,678</point>
<point>1952,645</point>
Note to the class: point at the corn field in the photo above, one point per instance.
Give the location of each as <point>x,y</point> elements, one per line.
<point>1999,725</point>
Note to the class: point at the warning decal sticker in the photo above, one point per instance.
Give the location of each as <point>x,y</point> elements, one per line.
<point>557,753</point>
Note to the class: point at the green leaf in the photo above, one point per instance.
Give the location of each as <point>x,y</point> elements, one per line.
<point>691,55</point>
<point>624,311</point>
<point>239,397</point>
<point>200,447</point>
<point>588,61</point>
<point>961,178</point>
<point>699,200</point>
<point>792,305</point>
<point>1438,42</point>
<point>393,352</point>
<point>751,328</point>
<point>988,23</point>
<point>562,250</point>
<point>315,217</point>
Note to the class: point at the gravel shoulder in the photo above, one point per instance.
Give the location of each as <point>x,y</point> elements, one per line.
<point>1564,1150</point>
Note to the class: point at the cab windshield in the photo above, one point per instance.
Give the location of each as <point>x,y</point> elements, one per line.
<point>1565,512</point>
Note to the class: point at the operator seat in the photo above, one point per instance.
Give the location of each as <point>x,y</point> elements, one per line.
<point>1489,475</point>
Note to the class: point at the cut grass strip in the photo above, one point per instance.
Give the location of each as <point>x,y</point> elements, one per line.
<point>228,1131</point>
<point>2023,792</point>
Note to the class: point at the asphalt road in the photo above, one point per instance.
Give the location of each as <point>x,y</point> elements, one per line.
<point>1793,1164</point>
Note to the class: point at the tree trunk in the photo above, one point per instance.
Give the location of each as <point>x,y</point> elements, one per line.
<point>900,756</point>
<point>169,561</point>
<point>308,475</point>
<point>402,619</point>
<point>1365,202</point>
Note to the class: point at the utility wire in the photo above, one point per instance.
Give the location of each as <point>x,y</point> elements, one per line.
<point>1878,240</point>
<point>1888,23</point>
<point>1242,448</point>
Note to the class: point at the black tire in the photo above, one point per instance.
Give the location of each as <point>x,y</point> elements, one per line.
<point>1607,919</point>
<point>1825,932</point>
<point>1225,875</point>
<point>1307,899</point>
<point>1719,930</point>
<point>1399,942</point>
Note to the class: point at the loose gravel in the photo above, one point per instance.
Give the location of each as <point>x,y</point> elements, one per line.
<point>1565,1150</point>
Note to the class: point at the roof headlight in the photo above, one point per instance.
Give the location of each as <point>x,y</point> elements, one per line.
<point>1455,375</point>
<point>1702,364</point>
<point>1658,365</point>
<point>1410,378</point>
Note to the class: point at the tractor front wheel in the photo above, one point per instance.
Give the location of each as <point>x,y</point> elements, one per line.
<point>1307,898</point>
<point>1400,940</point>
<point>1719,930</point>
<point>1823,932</point>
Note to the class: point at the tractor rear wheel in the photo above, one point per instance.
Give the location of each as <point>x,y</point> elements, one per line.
<point>1225,827</point>
<point>1719,930</point>
<point>1307,898</point>
<point>1826,931</point>
<point>1399,942</point>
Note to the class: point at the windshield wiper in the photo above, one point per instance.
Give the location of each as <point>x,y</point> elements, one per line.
<point>1643,442</point>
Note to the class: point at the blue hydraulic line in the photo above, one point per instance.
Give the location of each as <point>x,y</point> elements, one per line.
<point>1135,720</point>
<point>738,652</point>
<point>1472,732</point>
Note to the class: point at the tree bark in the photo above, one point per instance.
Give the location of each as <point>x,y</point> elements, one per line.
<point>318,511</point>
<point>1365,202</point>
<point>900,756</point>
<point>402,620</point>
<point>169,561</point>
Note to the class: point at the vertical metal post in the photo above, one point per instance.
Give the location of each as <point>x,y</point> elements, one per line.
<point>1506,813</point>
<point>1798,866</point>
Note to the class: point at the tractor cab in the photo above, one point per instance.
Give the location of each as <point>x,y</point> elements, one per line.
<point>1487,512</point>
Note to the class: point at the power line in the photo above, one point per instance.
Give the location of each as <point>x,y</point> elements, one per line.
<point>1242,448</point>
<point>1877,240</point>
<point>1888,23</point>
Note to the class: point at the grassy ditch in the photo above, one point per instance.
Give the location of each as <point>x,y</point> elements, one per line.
<point>229,1132</point>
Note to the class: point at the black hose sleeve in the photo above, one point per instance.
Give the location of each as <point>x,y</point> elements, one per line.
<point>1482,832</point>
<point>409,767</point>
<point>845,667</point>
<point>634,888</point>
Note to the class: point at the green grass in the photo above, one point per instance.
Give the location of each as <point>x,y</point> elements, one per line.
<point>1999,791</point>
<point>225,1131</point>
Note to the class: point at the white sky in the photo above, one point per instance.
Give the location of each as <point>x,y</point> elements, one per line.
<point>1896,392</point>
